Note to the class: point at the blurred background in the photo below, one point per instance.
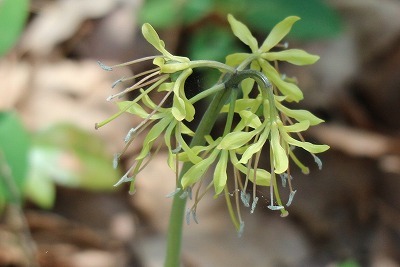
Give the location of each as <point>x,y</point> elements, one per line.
<point>58,206</point>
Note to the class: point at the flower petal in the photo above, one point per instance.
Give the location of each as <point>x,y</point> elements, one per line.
<point>299,114</point>
<point>235,140</point>
<point>220,176</point>
<point>195,173</point>
<point>243,33</point>
<point>280,158</point>
<point>293,56</point>
<point>290,90</point>
<point>236,58</point>
<point>278,33</point>
<point>312,148</point>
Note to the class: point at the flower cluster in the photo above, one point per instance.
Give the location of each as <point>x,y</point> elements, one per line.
<point>251,93</point>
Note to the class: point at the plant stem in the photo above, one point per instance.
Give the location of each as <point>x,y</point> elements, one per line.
<point>174,237</point>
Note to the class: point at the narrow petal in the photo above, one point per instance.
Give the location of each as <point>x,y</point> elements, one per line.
<point>290,90</point>
<point>312,148</point>
<point>220,175</point>
<point>278,33</point>
<point>236,58</point>
<point>299,114</point>
<point>281,161</point>
<point>243,33</point>
<point>294,56</point>
<point>195,173</point>
<point>235,140</point>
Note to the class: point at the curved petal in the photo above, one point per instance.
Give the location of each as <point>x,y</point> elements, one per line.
<point>243,33</point>
<point>290,90</point>
<point>278,33</point>
<point>220,175</point>
<point>294,56</point>
<point>280,158</point>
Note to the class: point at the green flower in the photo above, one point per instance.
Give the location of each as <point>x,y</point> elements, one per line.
<point>256,123</point>
<point>261,56</point>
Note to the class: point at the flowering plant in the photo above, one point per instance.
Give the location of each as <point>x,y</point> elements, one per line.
<point>251,93</point>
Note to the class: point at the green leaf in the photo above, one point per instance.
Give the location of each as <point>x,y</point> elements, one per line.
<point>319,19</point>
<point>71,157</point>
<point>280,158</point>
<point>211,35</point>
<point>161,13</point>
<point>293,56</point>
<point>194,10</point>
<point>243,33</point>
<point>13,15</point>
<point>195,173</point>
<point>220,175</point>
<point>40,187</point>
<point>278,33</point>
<point>14,148</point>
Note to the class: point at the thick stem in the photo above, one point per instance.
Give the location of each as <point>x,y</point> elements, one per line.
<point>174,238</point>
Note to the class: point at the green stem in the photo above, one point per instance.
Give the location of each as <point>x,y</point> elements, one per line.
<point>174,237</point>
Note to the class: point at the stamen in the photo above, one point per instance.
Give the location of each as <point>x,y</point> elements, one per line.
<point>273,207</point>
<point>195,216</point>
<point>173,193</point>
<point>291,196</point>
<point>318,161</point>
<point>116,159</point>
<point>124,179</point>
<point>245,197</point>
<point>241,229</point>
<point>104,67</point>
<point>254,204</point>
<point>131,132</point>
<point>187,216</point>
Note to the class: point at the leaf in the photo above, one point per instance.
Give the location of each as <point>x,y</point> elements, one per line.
<point>243,33</point>
<point>195,173</point>
<point>160,13</point>
<point>220,175</point>
<point>278,33</point>
<point>13,15</point>
<point>15,144</point>
<point>319,19</point>
<point>293,56</point>
<point>211,35</point>
<point>71,157</point>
